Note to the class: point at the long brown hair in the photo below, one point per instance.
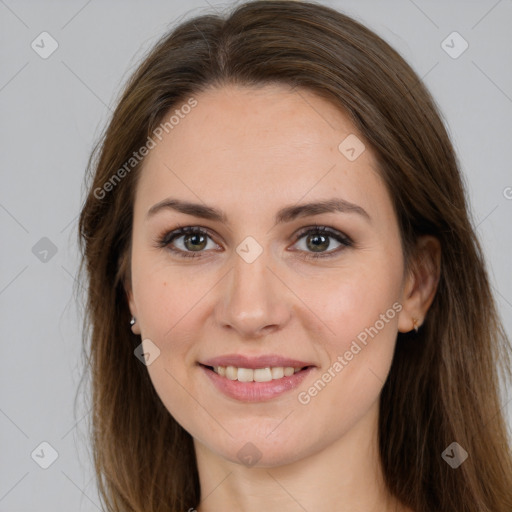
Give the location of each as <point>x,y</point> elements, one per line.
<point>444,383</point>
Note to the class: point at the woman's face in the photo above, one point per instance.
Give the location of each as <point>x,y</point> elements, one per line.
<point>254,287</point>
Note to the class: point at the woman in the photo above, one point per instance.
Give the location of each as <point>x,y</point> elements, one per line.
<point>288,305</point>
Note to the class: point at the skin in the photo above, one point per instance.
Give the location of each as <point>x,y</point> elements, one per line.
<point>250,152</point>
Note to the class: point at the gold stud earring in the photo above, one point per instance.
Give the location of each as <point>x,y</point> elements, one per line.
<point>415,324</point>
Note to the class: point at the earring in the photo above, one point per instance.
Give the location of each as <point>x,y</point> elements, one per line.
<point>132,321</point>
<point>415,324</point>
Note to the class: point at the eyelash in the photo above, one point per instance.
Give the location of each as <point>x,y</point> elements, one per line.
<point>167,238</point>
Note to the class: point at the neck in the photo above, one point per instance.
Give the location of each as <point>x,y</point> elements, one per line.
<point>346,476</point>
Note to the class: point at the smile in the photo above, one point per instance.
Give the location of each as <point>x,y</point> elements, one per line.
<point>255,384</point>
<point>255,374</point>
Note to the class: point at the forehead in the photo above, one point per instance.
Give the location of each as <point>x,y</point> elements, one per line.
<point>256,147</point>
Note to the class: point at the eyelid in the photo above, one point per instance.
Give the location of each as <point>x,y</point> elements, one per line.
<point>165,240</point>
<point>168,237</point>
<point>335,233</point>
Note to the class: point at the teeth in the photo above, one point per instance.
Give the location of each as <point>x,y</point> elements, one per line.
<point>277,373</point>
<point>262,375</point>
<point>231,372</point>
<point>288,371</point>
<point>255,375</point>
<point>245,375</point>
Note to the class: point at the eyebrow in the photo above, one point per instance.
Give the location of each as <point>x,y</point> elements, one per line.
<point>286,214</point>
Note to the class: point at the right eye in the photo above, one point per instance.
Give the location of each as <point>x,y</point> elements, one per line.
<point>193,236</point>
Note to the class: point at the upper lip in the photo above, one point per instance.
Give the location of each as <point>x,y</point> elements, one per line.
<point>262,361</point>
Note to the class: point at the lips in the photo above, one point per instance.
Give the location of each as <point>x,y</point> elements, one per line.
<point>263,361</point>
<point>255,378</point>
<point>255,391</point>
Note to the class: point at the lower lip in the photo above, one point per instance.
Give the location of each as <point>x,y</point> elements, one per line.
<point>256,391</point>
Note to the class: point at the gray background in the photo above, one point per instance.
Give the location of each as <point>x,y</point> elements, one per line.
<point>51,112</point>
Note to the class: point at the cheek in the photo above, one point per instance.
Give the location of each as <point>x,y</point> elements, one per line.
<point>359,314</point>
<point>359,357</point>
<point>168,305</point>
<point>351,299</point>
<point>165,295</point>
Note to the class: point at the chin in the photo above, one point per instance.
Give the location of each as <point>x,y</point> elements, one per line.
<point>262,450</point>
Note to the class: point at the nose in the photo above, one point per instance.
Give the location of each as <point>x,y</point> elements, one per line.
<point>254,302</point>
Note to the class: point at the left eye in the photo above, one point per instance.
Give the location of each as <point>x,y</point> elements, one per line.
<point>318,238</point>
<point>195,240</point>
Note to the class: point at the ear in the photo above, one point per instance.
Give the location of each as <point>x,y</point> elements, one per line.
<point>133,309</point>
<point>125,271</point>
<point>421,283</point>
